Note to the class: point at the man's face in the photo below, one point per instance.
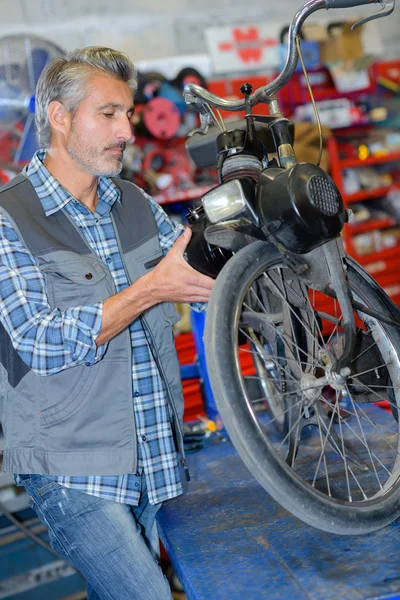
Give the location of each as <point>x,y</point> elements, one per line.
<point>100,127</point>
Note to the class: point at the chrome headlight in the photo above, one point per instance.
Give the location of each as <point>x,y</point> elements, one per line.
<point>230,201</point>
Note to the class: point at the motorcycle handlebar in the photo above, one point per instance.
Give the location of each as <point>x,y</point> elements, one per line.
<point>199,97</point>
<point>349,3</point>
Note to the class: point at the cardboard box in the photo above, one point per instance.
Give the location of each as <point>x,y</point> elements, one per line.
<point>337,41</point>
<point>310,52</point>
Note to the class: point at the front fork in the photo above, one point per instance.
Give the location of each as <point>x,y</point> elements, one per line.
<point>334,255</point>
<point>329,276</point>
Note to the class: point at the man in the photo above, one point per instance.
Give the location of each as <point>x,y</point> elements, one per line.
<point>90,379</point>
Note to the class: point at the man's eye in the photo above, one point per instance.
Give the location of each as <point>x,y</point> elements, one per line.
<point>108,114</point>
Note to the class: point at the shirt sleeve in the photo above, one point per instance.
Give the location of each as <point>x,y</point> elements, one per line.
<point>48,340</point>
<point>168,233</point>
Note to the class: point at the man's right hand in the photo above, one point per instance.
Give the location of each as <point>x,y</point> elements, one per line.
<point>173,280</point>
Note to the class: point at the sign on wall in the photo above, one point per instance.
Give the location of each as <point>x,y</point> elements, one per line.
<point>242,47</point>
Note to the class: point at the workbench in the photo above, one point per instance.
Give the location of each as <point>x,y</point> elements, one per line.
<point>229,540</point>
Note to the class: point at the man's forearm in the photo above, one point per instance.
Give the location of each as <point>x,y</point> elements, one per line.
<point>121,309</point>
<point>172,280</point>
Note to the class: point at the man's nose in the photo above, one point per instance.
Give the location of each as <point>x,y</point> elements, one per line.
<point>125,129</point>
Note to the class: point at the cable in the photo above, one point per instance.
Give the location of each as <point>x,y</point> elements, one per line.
<point>321,141</point>
<point>10,517</point>
<point>221,119</point>
<point>217,119</point>
<point>28,533</point>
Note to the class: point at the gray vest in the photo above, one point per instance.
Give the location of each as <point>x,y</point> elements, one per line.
<point>80,421</point>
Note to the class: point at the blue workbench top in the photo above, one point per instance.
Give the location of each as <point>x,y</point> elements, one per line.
<point>229,540</point>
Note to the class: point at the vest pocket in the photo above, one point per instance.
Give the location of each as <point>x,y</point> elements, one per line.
<point>76,283</point>
<point>169,312</point>
<point>73,385</point>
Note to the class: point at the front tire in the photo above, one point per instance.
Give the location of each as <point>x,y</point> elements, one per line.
<point>336,464</point>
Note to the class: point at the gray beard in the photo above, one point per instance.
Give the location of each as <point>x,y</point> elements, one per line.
<point>90,168</point>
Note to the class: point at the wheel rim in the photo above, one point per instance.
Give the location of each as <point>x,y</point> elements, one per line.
<point>336,442</point>
<point>271,384</point>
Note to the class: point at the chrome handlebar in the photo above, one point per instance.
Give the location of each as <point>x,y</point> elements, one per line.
<point>199,97</point>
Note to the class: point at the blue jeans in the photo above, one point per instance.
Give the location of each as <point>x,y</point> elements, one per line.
<point>114,546</point>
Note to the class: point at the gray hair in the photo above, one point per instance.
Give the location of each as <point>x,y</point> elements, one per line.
<point>65,79</point>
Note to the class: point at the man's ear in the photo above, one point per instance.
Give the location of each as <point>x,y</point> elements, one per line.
<point>59,117</point>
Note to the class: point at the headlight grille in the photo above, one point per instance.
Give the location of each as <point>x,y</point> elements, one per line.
<point>324,195</point>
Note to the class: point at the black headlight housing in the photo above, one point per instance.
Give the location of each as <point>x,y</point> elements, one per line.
<point>300,207</point>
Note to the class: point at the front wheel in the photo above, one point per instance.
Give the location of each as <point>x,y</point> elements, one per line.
<point>326,451</point>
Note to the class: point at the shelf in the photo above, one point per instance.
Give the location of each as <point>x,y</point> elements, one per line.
<point>368,194</point>
<point>386,279</point>
<point>388,254</point>
<point>384,268</point>
<point>393,291</point>
<point>350,163</point>
<point>371,225</point>
<point>193,193</point>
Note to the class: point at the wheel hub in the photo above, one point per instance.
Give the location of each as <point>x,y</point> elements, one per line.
<point>312,386</point>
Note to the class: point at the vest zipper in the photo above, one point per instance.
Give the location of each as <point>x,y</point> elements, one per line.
<point>147,331</point>
<point>135,441</point>
<point>152,346</point>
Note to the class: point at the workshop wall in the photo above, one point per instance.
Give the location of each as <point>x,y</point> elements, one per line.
<point>147,29</point>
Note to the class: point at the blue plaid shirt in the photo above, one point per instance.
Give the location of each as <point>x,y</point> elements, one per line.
<point>52,340</point>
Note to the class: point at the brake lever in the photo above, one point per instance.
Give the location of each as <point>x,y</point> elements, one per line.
<point>202,108</point>
<point>205,121</point>
<point>386,9</point>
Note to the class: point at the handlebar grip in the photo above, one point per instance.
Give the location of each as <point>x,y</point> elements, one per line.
<point>348,3</point>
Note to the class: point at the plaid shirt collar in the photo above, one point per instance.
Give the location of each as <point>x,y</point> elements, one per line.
<point>54,196</point>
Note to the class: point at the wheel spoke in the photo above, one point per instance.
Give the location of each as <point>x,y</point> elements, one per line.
<point>284,412</point>
<point>380,429</point>
<point>325,465</point>
<point>323,445</point>
<point>295,425</point>
<point>364,442</point>
<point>342,453</point>
<point>315,331</point>
<point>289,306</point>
<point>370,370</point>
<point>374,393</point>
<point>273,357</point>
<point>363,352</point>
<point>285,341</point>
<point>320,424</point>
